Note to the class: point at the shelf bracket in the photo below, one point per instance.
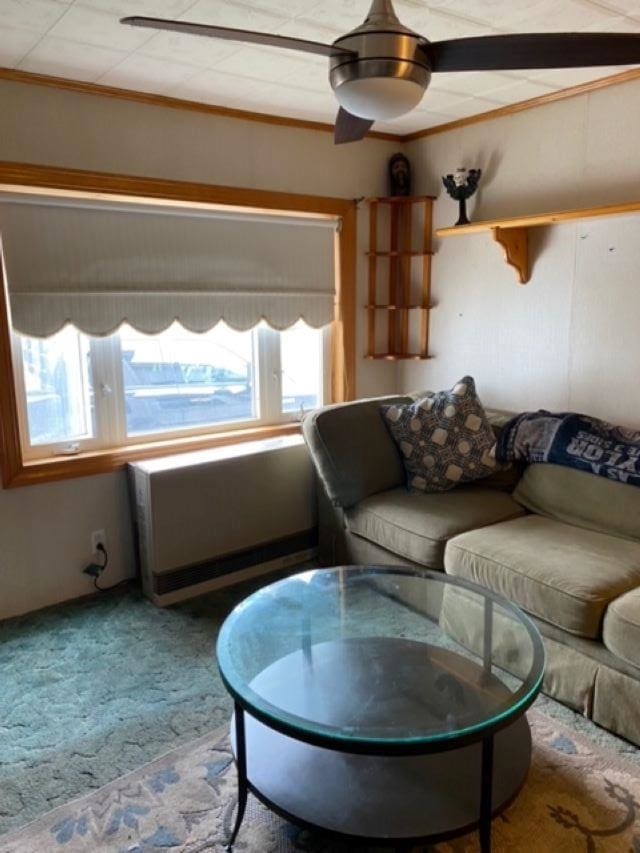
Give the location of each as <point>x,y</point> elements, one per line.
<point>515,243</point>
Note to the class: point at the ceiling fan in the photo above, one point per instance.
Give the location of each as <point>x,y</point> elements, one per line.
<point>381,69</point>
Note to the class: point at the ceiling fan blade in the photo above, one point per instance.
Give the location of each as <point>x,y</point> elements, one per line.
<point>250,36</point>
<point>350,128</point>
<point>534,50</point>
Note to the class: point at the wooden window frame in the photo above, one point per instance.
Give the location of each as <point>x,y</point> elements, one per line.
<point>26,178</point>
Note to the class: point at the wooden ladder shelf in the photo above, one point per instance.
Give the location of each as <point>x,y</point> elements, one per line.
<point>401,268</point>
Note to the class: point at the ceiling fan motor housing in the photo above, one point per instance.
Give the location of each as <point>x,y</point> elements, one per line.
<point>390,71</point>
<point>387,78</point>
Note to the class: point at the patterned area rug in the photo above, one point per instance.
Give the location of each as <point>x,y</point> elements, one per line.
<point>577,798</point>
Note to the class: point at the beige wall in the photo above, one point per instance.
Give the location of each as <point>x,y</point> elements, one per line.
<point>568,339</point>
<point>44,530</point>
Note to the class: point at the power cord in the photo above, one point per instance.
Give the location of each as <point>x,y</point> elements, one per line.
<point>99,569</point>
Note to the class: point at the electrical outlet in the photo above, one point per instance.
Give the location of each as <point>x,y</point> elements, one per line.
<point>97,537</point>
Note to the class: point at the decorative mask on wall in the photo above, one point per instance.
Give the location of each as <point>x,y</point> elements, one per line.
<point>399,175</point>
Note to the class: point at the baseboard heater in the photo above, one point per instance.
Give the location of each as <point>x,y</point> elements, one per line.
<point>210,518</point>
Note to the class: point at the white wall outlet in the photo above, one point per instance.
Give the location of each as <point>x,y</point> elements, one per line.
<point>97,537</point>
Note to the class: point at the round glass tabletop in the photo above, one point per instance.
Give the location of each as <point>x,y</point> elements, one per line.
<point>380,656</point>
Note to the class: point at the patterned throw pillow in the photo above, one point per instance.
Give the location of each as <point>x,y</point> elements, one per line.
<point>445,438</point>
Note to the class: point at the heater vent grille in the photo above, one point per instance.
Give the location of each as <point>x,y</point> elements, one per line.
<point>220,566</point>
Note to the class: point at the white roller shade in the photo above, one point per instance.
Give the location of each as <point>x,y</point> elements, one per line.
<point>100,266</point>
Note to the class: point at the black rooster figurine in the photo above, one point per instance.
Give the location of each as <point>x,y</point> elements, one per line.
<point>460,187</point>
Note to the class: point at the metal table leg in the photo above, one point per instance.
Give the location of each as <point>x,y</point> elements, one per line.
<point>241,766</point>
<point>486,794</point>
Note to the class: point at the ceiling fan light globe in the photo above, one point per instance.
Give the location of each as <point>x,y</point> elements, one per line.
<point>379,98</point>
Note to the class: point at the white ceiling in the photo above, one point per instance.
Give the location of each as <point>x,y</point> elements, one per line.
<point>83,40</point>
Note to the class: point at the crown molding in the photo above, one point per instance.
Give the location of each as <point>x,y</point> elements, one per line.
<point>521,106</point>
<point>95,89</point>
<point>16,76</point>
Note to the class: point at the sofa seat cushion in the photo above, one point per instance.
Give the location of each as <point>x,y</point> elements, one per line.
<point>562,574</point>
<point>621,631</point>
<point>417,526</point>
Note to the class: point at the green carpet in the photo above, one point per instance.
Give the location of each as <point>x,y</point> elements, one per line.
<point>95,689</point>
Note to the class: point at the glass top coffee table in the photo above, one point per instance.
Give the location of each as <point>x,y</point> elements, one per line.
<point>382,704</point>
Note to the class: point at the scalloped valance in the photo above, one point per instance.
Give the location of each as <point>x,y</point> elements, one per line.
<point>97,266</point>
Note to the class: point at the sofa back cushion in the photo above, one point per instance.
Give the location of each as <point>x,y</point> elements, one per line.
<point>505,479</point>
<point>580,498</point>
<point>353,453</point>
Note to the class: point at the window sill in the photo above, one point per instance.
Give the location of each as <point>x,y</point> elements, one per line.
<point>113,459</point>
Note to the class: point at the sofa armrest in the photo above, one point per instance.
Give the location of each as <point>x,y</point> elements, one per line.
<point>352,450</point>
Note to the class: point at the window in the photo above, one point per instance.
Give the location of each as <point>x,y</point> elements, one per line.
<point>78,393</point>
<point>58,387</point>
<point>301,367</point>
<point>65,392</point>
<point>177,380</point>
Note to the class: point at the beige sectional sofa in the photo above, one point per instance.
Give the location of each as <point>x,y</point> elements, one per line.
<point>562,544</point>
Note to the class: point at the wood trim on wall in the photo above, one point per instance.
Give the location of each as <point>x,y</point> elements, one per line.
<point>79,183</point>
<point>95,89</point>
<point>32,79</point>
<point>10,443</point>
<point>532,103</point>
<point>52,182</point>
<point>112,459</point>
<point>343,356</point>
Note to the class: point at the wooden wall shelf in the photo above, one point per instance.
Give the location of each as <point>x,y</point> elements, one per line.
<point>394,356</point>
<point>399,298</point>
<point>386,307</point>
<point>401,199</point>
<point>398,254</point>
<point>512,234</point>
